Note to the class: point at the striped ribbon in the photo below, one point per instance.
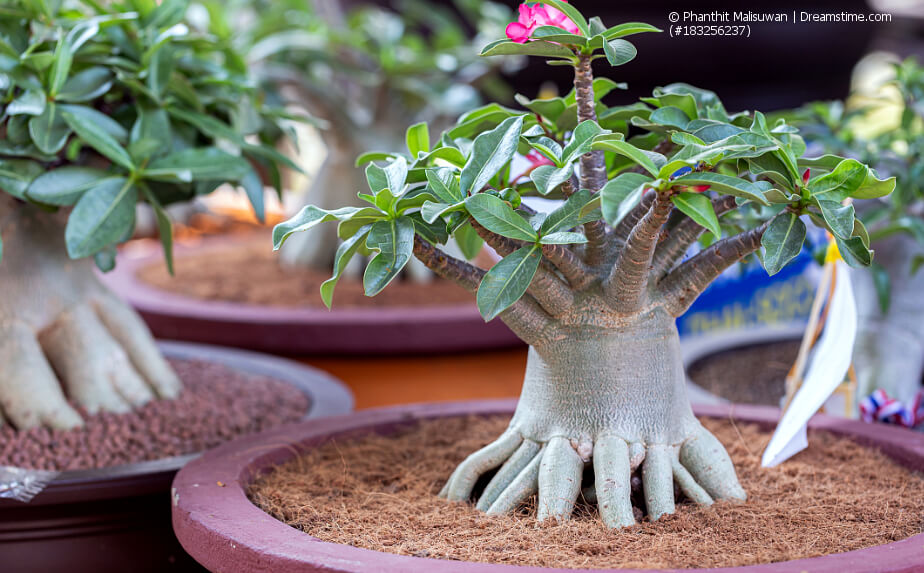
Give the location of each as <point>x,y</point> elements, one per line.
<point>879,407</point>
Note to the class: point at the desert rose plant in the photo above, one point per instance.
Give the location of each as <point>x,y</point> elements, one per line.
<point>103,105</point>
<point>887,131</point>
<point>595,285</point>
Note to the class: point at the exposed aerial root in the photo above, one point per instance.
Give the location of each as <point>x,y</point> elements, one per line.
<point>700,467</point>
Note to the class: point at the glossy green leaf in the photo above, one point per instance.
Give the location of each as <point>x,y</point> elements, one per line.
<point>782,241</point>
<point>534,48</point>
<point>725,184</point>
<point>548,177</point>
<point>342,257</point>
<point>86,85</point>
<point>628,29</point>
<point>699,208</point>
<point>29,102</point>
<point>582,140</point>
<point>64,185</point>
<point>99,139</point>
<point>507,281</point>
<point>496,215</point>
<point>670,116</point>
<point>101,120</point>
<point>391,177</point>
<point>563,238</point>
<point>164,227</point>
<point>621,194</point>
<point>839,217</point>
<point>17,174</point>
<point>49,131</point>
<point>874,187</point>
<point>418,139</point>
<point>571,12</point>
<point>649,160</point>
<point>200,163</point>
<point>103,216</point>
<point>619,52</point>
<point>490,152</point>
<point>558,35</point>
<point>442,183</point>
<point>308,217</point>
<point>840,183</point>
<point>394,241</point>
<point>854,252</point>
<point>469,242</point>
<point>567,215</point>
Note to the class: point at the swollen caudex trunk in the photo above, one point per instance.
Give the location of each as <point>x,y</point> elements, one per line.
<point>889,351</point>
<point>614,399</point>
<point>63,335</point>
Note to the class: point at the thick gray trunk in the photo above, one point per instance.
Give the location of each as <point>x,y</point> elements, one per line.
<point>889,351</point>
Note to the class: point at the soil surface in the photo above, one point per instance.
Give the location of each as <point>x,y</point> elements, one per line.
<point>251,272</point>
<point>216,405</point>
<point>379,493</point>
<point>749,374</point>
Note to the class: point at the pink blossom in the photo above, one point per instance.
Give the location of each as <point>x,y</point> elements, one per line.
<point>536,159</point>
<point>534,16</point>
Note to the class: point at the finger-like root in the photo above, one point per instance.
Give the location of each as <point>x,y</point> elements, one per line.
<point>92,364</point>
<point>25,366</point>
<point>700,466</point>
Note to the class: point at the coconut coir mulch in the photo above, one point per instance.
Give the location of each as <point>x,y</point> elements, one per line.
<point>250,272</point>
<point>217,404</point>
<point>379,493</point>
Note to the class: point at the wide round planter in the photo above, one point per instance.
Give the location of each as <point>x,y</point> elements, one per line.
<point>300,330</point>
<point>225,532</point>
<point>117,518</point>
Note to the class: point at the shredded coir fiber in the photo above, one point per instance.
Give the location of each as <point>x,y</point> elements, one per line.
<point>379,492</point>
<point>249,271</point>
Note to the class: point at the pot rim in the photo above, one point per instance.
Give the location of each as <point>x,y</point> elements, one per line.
<point>223,530</point>
<point>327,396</point>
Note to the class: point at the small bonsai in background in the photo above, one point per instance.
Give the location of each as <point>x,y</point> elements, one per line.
<point>104,105</point>
<point>369,73</point>
<point>885,129</point>
<point>595,285</point>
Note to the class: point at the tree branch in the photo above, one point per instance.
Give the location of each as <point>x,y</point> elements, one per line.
<point>593,164</point>
<point>683,285</point>
<point>682,237</point>
<point>626,287</point>
<point>597,241</point>
<point>627,224</point>
<point>547,288</point>
<point>525,318</point>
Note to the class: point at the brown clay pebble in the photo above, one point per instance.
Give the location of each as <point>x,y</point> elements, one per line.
<point>379,492</point>
<point>217,404</point>
<point>217,275</point>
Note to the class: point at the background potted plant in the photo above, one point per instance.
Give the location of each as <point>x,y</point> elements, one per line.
<point>105,106</point>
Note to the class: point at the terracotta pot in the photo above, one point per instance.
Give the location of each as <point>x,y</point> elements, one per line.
<point>117,519</point>
<point>301,330</point>
<point>221,529</point>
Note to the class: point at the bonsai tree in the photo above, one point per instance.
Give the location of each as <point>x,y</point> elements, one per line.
<point>103,105</point>
<point>887,131</point>
<point>594,286</point>
<point>369,73</point>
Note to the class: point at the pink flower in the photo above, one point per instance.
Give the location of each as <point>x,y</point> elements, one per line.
<point>536,159</point>
<point>534,16</point>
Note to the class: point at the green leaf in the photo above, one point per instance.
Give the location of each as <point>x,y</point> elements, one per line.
<point>621,194</point>
<point>874,187</point>
<point>103,216</point>
<point>469,242</point>
<point>391,177</point>
<point>65,50</point>
<point>670,116</point>
<point>442,184</point>
<point>582,139</point>
<point>699,208</point>
<point>507,281</point>
<point>490,152</point>
<point>840,183</point>
<point>87,85</point>
<point>307,218</point>
<point>64,186</point>
<point>29,102</point>
<point>49,131</point>
<point>99,139</point>
<point>253,188</point>
<point>164,228</point>
<point>344,254</point>
<point>534,48</point>
<point>558,35</point>
<point>647,159</point>
<point>548,177</point>
<point>628,29</point>
<point>200,163</point>
<point>619,52</point>
<point>568,215</point>
<point>854,252</point>
<point>418,139</point>
<point>103,121</point>
<point>497,216</point>
<point>431,211</point>
<point>371,156</point>
<point>782,241</point>
<point>17,174</point>
<point>563,238</point>
<point>839,217</point>
<point>394,241</point>
<point>571,12</point>
<point>883,284</point>
<point>725,184</point>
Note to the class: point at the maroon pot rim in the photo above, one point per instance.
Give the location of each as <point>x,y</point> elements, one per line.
<point>327,397</point>
<point>222,530</point>
<point>299,329</point>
